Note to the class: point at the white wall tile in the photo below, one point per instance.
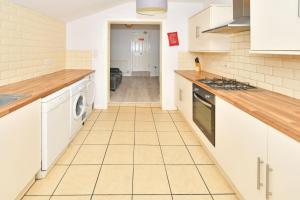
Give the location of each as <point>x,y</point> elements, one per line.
<point>31,44</point>
<point>272,72</point>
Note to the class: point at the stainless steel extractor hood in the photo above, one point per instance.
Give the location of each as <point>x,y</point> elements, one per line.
<point>241,19</point>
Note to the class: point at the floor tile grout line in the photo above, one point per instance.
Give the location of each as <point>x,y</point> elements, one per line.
<point>68,166</point>
<point>171,193</point>
<point>82,144</point>
<point>75,157</point>
<point>132,178</point>
<point>194,162</point>
<point>104,156</point>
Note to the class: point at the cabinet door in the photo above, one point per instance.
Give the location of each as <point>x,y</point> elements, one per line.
<point>275,25</point>
<point>284,160</point>
<point>185,98</point>
<point>207,19</point>
<point>241,140</point>
<point>20,143</point>
<point>203,23</point>
<point>178,92</point>
<point>192,33</point>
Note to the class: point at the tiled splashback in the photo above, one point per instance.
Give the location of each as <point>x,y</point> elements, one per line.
<point>31,44</point>
<point>78,59</point>
<point>278,73</point>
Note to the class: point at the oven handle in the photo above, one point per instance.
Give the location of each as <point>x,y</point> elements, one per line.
<point>202,101</point>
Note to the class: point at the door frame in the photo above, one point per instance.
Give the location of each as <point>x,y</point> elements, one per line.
<point>161,23</point>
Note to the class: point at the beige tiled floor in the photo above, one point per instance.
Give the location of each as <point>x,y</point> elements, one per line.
<point>133,152</point>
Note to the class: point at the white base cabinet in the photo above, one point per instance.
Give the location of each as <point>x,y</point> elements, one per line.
<point>184,97</point>
<point>261,162</point>
<point>20,143</point>
<point>240,144</point>
<point>284,162</point>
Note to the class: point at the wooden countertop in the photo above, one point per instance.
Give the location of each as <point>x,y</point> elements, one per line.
<point>279,111</point>
<point>40,87</point>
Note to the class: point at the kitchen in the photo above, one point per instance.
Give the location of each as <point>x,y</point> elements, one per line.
<point>226,131</point>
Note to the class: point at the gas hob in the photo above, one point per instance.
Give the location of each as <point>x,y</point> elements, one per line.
<point>226,84</point>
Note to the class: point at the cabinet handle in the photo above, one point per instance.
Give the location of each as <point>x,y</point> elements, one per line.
<point>298,8</point>
<point>268,171</point>
<point>180,94</point>
<point>203,102</point>
<point>197,31</point>
<point>259,163</point>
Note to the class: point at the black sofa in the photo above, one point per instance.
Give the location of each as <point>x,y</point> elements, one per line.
<point>115,78</point>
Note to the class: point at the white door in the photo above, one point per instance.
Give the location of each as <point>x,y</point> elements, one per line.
<point>140,51</point>
<point>284,161</point>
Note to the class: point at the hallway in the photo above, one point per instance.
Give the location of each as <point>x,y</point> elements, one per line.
<point>143,89</point>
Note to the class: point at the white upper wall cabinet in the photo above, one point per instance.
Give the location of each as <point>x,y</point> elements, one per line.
<point>275,26</point>
<point>211,17</point>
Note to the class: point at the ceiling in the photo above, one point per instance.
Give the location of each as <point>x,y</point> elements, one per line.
<point>68,10</point>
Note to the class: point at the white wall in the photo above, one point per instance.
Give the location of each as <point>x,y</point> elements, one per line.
<point>90,33</point>
<point>121,47</point>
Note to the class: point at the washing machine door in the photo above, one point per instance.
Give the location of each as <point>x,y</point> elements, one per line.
<point>91,92</point>
<point>79,106</point>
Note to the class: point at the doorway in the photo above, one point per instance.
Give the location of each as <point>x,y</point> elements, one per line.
<point>135,59</point>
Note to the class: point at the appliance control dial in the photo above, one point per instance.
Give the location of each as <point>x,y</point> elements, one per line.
<point>207,96</point>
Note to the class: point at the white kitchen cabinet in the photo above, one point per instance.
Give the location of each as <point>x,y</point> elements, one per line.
<point>184,97</point>
<point>284,161</point>
<point>20,143</point>
<point>240,142</point>
<point>211,17</point>
<point>275,26</point>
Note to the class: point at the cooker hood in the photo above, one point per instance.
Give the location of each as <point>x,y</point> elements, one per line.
<point>241,19</point>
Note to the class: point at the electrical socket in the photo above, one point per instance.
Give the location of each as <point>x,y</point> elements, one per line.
<point>48,62</point>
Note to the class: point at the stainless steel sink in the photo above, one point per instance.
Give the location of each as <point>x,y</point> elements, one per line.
<point>6,99</point>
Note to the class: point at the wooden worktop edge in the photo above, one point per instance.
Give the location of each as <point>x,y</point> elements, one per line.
<point>21,103</point>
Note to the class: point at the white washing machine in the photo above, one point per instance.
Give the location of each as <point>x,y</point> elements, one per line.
<point>90,92</point>
<point>77,106</point>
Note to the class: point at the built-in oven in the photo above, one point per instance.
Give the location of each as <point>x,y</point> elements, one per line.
<point>204,112</point>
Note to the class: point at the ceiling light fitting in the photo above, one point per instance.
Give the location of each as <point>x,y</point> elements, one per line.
<point>151,7</point>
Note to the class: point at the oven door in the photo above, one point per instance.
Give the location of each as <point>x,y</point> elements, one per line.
<point>204,116</point>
